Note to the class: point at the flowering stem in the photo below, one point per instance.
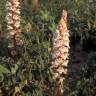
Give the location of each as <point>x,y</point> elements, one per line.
<point>60,53</point>
<point>13,22</point>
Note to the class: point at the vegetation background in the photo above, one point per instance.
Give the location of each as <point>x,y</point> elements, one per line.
<point>29,74</point>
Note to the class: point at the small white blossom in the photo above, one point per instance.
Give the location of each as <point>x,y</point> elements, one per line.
<point>16,17</point>
<point>12,33</point>
<point>9,27</point>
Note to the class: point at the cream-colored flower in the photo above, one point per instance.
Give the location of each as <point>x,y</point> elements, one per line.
<point>9,27</point>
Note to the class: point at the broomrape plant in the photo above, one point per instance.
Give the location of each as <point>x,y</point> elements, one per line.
<point>13,22</point>
<point>60,52</point>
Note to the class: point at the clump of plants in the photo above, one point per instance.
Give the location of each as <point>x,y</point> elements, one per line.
<point>29,73</point>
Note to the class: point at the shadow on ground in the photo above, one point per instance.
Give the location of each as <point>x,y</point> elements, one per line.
<point>77,61</point>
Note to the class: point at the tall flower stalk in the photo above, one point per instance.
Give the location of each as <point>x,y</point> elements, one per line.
<point>13,22</point>
<point>60,53</point>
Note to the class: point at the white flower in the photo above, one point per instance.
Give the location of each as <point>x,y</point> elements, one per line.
<point>12,33</point>
<point>8,18</point>
<point>61,70</point>
<point>16,3</point>
<point>17,24</point>
<point>17,11</point>
<point>56,75</point>
<point>9,14</point>
<point>9,27</point>
<point>10,22</point>
<point>8,3</point>
<point>65,63</point>
<point>16,17</point>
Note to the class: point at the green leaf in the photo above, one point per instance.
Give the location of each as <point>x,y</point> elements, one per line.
<point>3,69</point>
<point>30,76</point>
<point>14,69</point>
<point>1,77</point>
